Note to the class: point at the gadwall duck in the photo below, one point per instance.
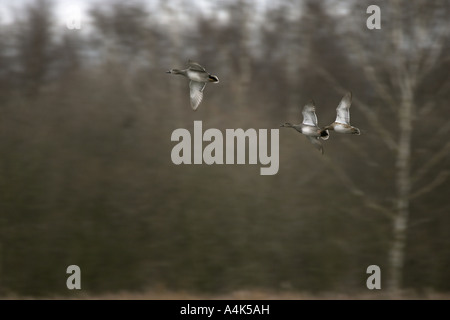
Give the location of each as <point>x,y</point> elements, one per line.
<point>342,122</point>
<point>309,127</point>
<point>198,78</point>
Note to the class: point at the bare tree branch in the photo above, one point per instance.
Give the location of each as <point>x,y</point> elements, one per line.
<point>358,151</point>
<point>437,181</point>
<point>426,109</point>
<point>419,222</point>
<point>435,159</point>
<point>443,130</point>
<point>431,104</point>
<point>356,191</point>
<point>436,214</point>
<point>435,49</point>
<point>370,74</point>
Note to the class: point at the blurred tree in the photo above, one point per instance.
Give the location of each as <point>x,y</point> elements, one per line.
<point>34,45</point>
<point>398,62</point>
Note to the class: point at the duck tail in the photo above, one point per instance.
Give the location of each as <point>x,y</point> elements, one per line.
<point>324,134</point>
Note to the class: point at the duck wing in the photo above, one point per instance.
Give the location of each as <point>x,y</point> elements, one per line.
<point>316,142</point>
<point>195,66</point>
<point>343,109</point>
<point>309,114</point>
<point>196,93</point>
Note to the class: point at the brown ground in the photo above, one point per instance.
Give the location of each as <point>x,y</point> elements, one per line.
<point>245,295</point>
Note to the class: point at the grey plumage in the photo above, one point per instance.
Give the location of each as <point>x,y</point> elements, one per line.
<point>198,77</point>
<point>342,122</point>
<point>309,127</point>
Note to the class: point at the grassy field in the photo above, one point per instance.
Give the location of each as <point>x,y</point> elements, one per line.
<point>242,295</point>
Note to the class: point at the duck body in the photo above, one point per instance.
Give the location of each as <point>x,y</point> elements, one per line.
<point>342,122</point>
<point>343,128</point>
<point>199,76</point>
<point>307,130</point>
<point>314,131</point>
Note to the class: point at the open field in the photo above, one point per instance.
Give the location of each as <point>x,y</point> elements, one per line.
<point>246,295</point>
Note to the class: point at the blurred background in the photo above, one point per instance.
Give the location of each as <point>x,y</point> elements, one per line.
<point>86,176</point>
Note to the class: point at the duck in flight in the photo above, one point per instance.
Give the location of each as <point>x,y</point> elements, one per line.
<point>309,127</point>
<point>342,122</point>
<point>198,79</point>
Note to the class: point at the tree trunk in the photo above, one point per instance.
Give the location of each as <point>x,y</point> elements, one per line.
<point>397,254</point>
<point>244,59</point>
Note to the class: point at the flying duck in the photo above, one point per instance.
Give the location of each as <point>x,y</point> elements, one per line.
<point>198,78</point>
<point>342,122</point>
<point>309,127</point>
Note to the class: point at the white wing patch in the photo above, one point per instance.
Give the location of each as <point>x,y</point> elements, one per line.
<point>343,109</point>
<point>309,114</point>
<point>196,93</point>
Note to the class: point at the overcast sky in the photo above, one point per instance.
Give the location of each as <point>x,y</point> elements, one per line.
<point>60,7</point>
<point>63,8</point>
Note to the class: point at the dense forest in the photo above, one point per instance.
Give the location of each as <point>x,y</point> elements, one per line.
<point>86,177</point>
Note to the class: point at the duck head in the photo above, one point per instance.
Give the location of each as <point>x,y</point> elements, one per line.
<point>174,71</point>
<point>213,79</point>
